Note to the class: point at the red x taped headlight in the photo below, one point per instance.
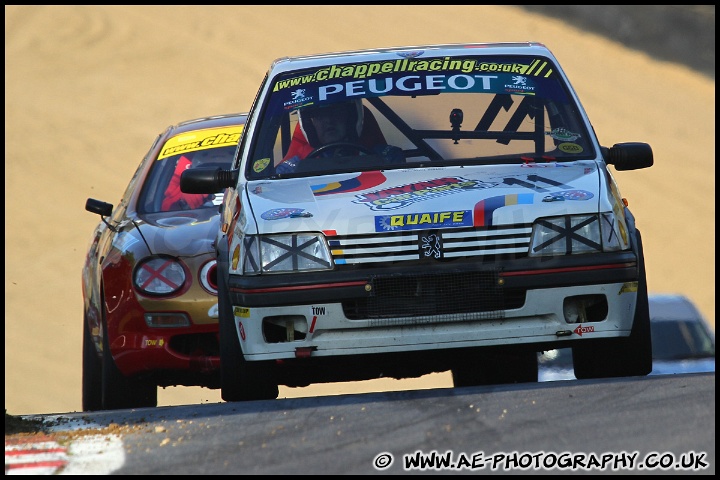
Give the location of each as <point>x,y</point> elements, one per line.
<point>160,276</point>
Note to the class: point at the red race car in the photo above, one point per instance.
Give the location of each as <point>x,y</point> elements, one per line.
<point>149,279</point>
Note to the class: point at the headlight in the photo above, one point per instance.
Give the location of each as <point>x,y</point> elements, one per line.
<point>570,235</point>
<point>208,277</point>
<point>159,276</point>
<point>286,253</point>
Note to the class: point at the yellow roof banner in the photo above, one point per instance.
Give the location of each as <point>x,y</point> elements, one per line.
<point>201,140</point>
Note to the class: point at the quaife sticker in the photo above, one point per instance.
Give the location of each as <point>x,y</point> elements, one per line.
<point>425,220</point>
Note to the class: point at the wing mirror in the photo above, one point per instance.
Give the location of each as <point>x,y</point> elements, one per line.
<point>207,180</point>
<point>628,156</point>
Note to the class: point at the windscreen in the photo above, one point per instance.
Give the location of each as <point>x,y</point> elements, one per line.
<point>434,111</point>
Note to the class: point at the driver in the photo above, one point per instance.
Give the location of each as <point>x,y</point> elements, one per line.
<point>330,124</point>
<point>174,198</point>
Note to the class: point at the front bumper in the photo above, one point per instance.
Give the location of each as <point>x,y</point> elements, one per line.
<point>536,302</point>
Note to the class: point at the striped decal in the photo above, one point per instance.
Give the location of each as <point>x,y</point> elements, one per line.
<point>483,211</point>
<point>362,182</point>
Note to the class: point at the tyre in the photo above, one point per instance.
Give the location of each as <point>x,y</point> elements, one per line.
<point>91,373</point>
<point>240,380</point>
<point>119,391</point>
<point>496,368</point>
<point>621,357</point>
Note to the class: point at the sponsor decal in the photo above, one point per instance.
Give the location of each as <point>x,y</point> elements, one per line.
<point>533,182</point>
<point>408,194</point>
<point>242,330</point>
<point>520,85</point>
<point>278,213</point>
<point>260,165</point>
<point>628,287</point>
<point>299,98</point>
<point>618,207</point>
<point>236,257</point>
<point>568,195</point>
<point>237,213</point>
<point>576,194</point>
<point>411,84</point>
<point>417,221</point>
<point>536,68</point>
<point>446,65</point>
<point>201,140</point>
<point>483,211</point>
<point>567,147</point>
<point>579,330</point>
<point>363,181</point>
<point>563,134</point>
<point>531,164</point>
<point>153,342</point>
<point>243,312</point>
<point>620,223</point>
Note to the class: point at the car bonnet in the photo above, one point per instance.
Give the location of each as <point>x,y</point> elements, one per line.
<point>186,233</point>
<point>393,200</point>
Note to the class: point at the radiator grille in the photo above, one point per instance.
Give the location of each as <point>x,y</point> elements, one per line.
<point>459,243</point>
<point>455,296</point>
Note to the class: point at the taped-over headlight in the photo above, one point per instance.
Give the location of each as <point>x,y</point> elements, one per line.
<point>286,253</point>
<point>576,234</point>
<point>160,275</point>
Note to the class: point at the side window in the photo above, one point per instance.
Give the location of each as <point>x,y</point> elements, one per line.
<point>157,184</point>
<point>120,208</point>
<point>248,125</point>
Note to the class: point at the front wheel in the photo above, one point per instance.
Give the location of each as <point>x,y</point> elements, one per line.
<point>119,391</point>
<point>239,379</point>
<point>621,357</point>
<point>91,373</point>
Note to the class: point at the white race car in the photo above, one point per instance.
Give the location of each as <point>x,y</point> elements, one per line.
<point>460,215</point>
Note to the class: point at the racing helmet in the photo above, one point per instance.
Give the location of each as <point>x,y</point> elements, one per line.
<point>351,111</point>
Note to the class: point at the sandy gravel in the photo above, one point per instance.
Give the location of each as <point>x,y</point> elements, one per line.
<point>87,88</point>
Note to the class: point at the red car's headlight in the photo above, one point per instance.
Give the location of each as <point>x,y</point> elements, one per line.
<point>159,276</point>
<point>208,277</point>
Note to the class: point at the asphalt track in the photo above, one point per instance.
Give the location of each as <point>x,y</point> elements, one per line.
<point>653,425</point>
